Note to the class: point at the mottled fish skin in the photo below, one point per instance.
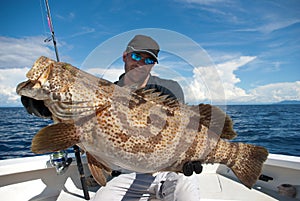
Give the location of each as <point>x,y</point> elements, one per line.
<point>139,131</point>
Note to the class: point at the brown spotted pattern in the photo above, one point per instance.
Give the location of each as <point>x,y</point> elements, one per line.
<point>136,130</point>
<point>140,126</point>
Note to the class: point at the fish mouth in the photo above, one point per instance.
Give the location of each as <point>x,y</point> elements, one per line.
<point>23,86</point>
<point>32,90</point>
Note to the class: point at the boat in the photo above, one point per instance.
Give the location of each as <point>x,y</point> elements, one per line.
<point>43,177</point>
<point>35,178</point>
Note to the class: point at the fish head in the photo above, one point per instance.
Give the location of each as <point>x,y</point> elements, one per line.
<point>68,92</point>
<point>37,77</point>
<point>48,79</point>
<point>40,69</point>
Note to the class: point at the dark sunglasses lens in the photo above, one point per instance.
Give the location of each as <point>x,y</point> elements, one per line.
<point>149,61</point>
<point>136,57</point>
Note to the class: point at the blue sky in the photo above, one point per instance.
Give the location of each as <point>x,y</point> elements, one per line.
<point>254,46</point>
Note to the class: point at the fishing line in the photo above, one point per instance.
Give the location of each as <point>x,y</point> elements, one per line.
<point>43,18</point>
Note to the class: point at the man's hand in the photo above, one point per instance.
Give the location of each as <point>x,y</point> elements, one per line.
<point>192,166</point>
<point>36,107</point>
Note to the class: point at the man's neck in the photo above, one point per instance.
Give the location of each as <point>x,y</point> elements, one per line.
<point>145,82</point>
<point>136,85</point>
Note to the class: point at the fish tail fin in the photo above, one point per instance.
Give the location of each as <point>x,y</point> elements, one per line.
<point>249,163</point>
<point>54,138</point>
<point>245,160</point>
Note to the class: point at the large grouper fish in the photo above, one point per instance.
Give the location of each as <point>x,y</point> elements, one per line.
<point>138,130</point>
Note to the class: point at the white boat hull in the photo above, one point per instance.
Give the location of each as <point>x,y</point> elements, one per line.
<point>33,178</point>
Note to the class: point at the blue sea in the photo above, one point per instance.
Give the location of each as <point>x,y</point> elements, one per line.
<point>276,127</point>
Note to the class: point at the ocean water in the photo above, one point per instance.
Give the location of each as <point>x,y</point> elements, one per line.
<point>276,127</point>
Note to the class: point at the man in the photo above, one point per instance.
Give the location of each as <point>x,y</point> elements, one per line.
<point>139,58</point>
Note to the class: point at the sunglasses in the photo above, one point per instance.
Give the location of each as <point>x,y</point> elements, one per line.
<point>137,57</point>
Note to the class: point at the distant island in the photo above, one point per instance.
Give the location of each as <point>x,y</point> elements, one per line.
<point>288,102</point>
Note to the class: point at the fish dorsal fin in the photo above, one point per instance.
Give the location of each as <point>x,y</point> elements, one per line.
<point>55,137</point>
<point>216,120</point>
<point>98,170</point>
<point>155,96</point>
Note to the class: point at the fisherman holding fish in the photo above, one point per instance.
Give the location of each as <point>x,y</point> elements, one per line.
<point>139,58</point>
<point>128,125</point>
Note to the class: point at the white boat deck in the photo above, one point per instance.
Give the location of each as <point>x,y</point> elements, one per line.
<point>34,179</point>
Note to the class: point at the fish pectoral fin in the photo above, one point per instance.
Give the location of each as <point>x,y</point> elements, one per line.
<point>98,170</point>
<point>55,137</point>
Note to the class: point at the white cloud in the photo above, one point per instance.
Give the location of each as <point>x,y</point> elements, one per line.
<point>208,84</point>
<point>22,52</point>
<point>16,56</point>
<point>211,84</point>
<point>273,25</point>
<point>111,74</point>
<point>277,24</point>
<point>9,79</point>
<point>217,83</point>
<point>83,31</point>
<point>66,17</point>
<point>277,92</point>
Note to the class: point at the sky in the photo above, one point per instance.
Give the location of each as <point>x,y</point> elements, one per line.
<point>230,51</point>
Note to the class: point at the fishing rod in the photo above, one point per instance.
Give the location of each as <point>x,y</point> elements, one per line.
<point>75,147</point>
<point>51,29</point>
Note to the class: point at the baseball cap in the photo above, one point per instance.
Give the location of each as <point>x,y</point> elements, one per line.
<point>142,43</point>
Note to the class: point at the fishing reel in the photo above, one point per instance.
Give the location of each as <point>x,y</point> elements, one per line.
<point>60,161</point>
